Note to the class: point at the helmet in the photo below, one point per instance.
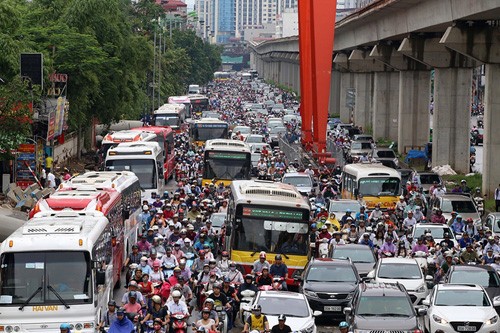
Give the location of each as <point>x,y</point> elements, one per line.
<point>209,300</point>
<point>282,317</point>
<point>262,255</point>
<point>256,308</point>
<point>156,299</point>
<point>176,293</point>
<point>111,303</point>
<point>201,329</point>
<point>205,310</point>
<point>343,325</point>
<point>249,277</point>
<point>65,326</point>
<point>225,254</point>
<point>132,294</point>
<point>216,285</point>
<point>278,257</point>
<point>212,262</point>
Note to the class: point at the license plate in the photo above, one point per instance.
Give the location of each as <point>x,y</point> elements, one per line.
<point>467,328</point>
<point>333,308</point>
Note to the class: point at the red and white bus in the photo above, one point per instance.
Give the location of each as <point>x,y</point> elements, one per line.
<point>165,137</point>
<point>171,115</point>
<point>116,194</point>
<point>181,100</point>
<point>113,139</point>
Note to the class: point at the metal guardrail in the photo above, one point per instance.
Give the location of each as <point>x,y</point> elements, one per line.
<point>292,151</point>
<point>336,152</point>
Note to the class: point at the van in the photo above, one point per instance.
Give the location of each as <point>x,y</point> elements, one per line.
<point>193,89</point>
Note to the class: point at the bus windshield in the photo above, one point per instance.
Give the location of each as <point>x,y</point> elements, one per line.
<point>377,186</point>
<point>275,233</point>
<point>45,277</point>
<point>167,120</point>
<point>144,169</point>
<point>227,165</point>
<point>207,132</point>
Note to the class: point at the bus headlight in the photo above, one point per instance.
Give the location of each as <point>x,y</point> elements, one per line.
<point>17,329</point>
<point>78,326</point>
<point>8,329</point>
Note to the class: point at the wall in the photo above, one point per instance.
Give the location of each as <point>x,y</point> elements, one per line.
<point>66,150</point>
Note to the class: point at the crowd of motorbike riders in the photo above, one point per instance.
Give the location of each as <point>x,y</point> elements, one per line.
<point>179,264</point>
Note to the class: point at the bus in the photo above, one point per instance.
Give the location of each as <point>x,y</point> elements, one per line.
<point>246,77</point>
<point>112,139</point>
<point>172,115</point>
<point>181,100</point>
<point>371,183</point>
<point>208,128</point>
<point>271,217</point>
<point>145,159</point>
<point>193,89</point>
<point>222,76</point>
<point>165,138</point>
<point>226,160</point>
<point>57,269</point>
<point>199,103</point>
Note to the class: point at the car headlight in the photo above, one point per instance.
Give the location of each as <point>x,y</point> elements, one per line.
<point>308,329</point>
<point>492,320</point>
<point>439,320</point>
<point>349,296</point>
<point>420,289</point>
<point>310,293</point>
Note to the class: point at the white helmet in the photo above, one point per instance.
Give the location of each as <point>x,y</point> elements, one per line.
<point>176,293</point>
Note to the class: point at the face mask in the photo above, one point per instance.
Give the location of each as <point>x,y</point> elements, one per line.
<point>377,208</point>
<point>212,280</point>
<point>232,268</point>
<point>206,270</point>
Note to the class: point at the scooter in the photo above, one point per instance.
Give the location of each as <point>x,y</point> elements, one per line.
<point>168,270</point>
<point>179,324</point>
<point>247,297</point>
<point>223,319</point>
<point>323,247</point>
<point>480,205</point>
<point>189,259</point>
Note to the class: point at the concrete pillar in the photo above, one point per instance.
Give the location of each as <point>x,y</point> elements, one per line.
<point>385,105</point>
<point>296,78</point>
<point>452,100</point>
<point>334,107</point>
<point>413,109</point>
<point>363,110</point>
<point>491,146</point>
<point>346,83</point>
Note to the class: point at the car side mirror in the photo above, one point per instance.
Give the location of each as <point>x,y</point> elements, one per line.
<point>347,311</point>
<point>429,278</point>
<point>496,301</point>
<point>421,312</point>
<point>426,302</point>
<point>317,313</point>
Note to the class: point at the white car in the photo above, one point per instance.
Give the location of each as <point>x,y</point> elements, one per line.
<point>461,308</point>
<point>244,131</point>
<point>405,271</point>
<point>294,306</point>
<point>437,231</point>
<point>255,138</point>
<point>301,180</point>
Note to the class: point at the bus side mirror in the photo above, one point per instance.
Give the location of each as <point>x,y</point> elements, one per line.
<point>126,213</point>
<point>100,277</point>
<point>229,229</point>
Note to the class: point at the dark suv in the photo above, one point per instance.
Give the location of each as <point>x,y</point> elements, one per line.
<point>382,307</point>
<point>328,285</point>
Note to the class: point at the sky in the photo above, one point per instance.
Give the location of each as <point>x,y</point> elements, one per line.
<point>190,4</point>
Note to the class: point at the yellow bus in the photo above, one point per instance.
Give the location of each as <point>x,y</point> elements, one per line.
<point>208,128</point>
<point>271,217</point>
<point>371,183</point>
<point>225,160</point>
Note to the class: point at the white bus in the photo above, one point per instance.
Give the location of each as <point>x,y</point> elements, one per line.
<point>193,89</point>
<point>114,138</point>
<point>56,269</point>
<point>181,100</point>
<point>145,159</point>
<point>172,115</point>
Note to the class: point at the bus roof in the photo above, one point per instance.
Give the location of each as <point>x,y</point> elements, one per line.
<point>99,180</point>
<point>53,231</point>
<point>138,149</point>
<point>267,193</point>
<point>197,96</point>
<point>128,136</point>
<point>370,170</point>
<point>179,99</point>
<point>227,145</point>
<point>170,108</point>
<point>156,130</point>
<point>210,121</point>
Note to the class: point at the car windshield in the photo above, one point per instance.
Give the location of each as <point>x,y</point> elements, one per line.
<point>361,145</point>
<point>496,226</point>
<point>144,169</point>
<point>341,273</point>
<point>399,271</point>
<point>339,206</point>
<point>227,165</point>
<point>217,220</point>
<point>380,306</point>
<point>357,255</point>
<point>297,181</point>
<point>436,232</point>
<point>459,206</point>
<point>242,130</point>
<point>377,186</point>
<point>277,130</point>
<point>429,179</point>
<point>255,139</point>
<point>458,297</point>
<point>386,154</point>
<point>290,307</point>
<point>482,277</point>
<point>38,275</point>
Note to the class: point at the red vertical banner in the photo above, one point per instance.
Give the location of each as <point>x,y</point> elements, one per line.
<point>316,36</point>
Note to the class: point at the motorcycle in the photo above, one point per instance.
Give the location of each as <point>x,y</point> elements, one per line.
<point>480,205</point>
<point>168,270</point>
<point>247,297</point>
<point>189,259</point>
<point>323,247</point>
<point>223,319</point>
<point>179,324</point>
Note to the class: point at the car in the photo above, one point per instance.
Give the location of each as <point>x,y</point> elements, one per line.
<point>386,156</point>
<point>462,204</point>
<point>289,117</point>
<point>294,306</point>
<point>405,271</point>
<point>437,231</point>
<point>340,206</point>
<point>359,148</point>
<point>304,183</point>
<point>275,133</point>
<point>218,220</point>
<point>329,285</point>
<point>382,307</point>
<point>244,130</point>
<point>274,122</point>
<point>483,275</point>
<point>460,308</point>
<point>426,180</point>
<point>493,222</point>
<point>255,138</point>
<point>362,256</point>
<point>363,137</point>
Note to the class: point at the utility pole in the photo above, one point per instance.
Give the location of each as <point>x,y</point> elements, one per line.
<point>154,72</point>
<point>159,65</point>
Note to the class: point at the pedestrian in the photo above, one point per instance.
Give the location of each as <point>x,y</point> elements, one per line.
<point>43,178</point>
<point>497,198</point>
<point>48,162</point>
<point>51,180</point>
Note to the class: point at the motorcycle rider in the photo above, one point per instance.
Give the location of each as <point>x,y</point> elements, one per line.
<point>223,264</point>
<point>234,275</point>
<point>438,217</point>
<point>388,247</point>
<point>365,240</point>
<point>464,241</point>
<point>420,246</point>
<point>447,242</point>
<point>279,269</point>
<point>157,312</point>
<point>469,228</point>
<point>121,324</point>
<point>376,214</point>
<point>281,327</point>
<point>256,321</point>
<point>221,299</point>
<point>260,263</point>
<point>337,239</point>
<point>109,317</point>
<point>264,279</point>
<point>409,221</point>
<point>469,255</point>
<point>458,225</point>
